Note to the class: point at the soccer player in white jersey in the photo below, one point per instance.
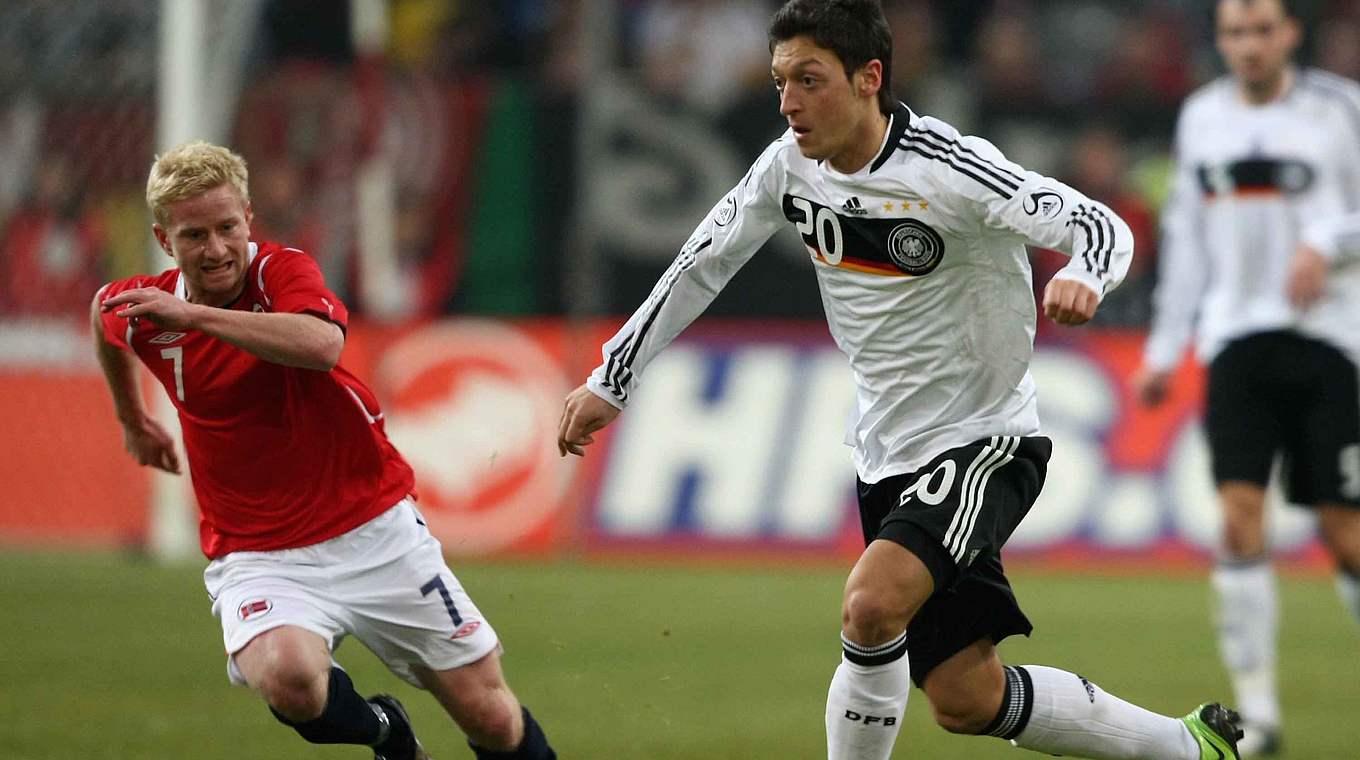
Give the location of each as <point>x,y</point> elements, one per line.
<point>1263,154</point>
<point>917,236</point>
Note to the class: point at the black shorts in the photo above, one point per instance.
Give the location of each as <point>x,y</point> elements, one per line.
<point>955,514</point>
<point>1282,393</point>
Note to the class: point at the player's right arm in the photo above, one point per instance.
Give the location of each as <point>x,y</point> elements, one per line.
<point>725,240</point>
<point>1181,276</point>
<point>1327,244</point>
<point>144,438</point>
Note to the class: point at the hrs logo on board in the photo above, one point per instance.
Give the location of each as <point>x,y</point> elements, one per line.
<point>739,441</point>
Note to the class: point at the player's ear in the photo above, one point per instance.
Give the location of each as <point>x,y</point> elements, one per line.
<point>162,238</point>
<point>869,79</point>
<point>1294,31</point>
<point>250,213</point>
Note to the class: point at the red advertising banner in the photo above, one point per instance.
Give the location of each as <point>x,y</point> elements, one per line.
<point>731,448</point>
<point>66,480</point>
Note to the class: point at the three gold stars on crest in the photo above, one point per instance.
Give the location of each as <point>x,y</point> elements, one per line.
<point>889,206</point>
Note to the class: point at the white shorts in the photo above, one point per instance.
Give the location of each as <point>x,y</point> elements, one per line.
<point>385,582</point>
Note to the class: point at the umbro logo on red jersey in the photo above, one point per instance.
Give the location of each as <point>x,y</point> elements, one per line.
<point>166,337</point>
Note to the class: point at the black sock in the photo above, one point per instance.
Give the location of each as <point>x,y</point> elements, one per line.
<point>1016,703</point>
<point>534,745</point>
<point>347,719</point>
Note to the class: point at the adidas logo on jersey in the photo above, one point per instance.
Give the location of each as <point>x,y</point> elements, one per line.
<point>854,208</point>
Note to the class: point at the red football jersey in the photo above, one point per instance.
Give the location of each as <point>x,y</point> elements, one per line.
<point>280,456</point>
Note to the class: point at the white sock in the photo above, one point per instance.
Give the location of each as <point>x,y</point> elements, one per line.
<point>1348,588</point>
<point>867,699</point>
<point>1248,619</point>
<point>1074,717</point>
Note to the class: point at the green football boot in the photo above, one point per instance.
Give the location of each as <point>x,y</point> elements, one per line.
<point>1217,730</point>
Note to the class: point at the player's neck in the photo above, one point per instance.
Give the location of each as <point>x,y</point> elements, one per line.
<point>1270,91</point>
<point>863,145</point>
<point>213,299</point>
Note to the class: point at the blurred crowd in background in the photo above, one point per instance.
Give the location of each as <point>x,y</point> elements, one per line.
<point>478,103</point>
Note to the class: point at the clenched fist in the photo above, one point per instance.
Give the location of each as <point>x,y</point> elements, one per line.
<point>583,414</point>
<point>1069,302</point>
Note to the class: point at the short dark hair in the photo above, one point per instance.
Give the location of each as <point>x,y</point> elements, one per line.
<point>1290,11</point>
<point>855,30</point>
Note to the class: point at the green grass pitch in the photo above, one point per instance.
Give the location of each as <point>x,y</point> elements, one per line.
<point>102,657</point>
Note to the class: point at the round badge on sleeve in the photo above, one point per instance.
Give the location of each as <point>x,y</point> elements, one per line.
<point>727,212</point>
<point>915,248</point>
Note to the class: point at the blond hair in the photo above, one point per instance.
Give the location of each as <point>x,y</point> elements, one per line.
<point>191,169</point>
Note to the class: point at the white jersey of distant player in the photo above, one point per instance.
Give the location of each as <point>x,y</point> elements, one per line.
<point>1249,181</point>
<point>921,262</point>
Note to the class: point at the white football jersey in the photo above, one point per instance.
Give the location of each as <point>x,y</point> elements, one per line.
<point>1250,179</point>
<point>921,262</point>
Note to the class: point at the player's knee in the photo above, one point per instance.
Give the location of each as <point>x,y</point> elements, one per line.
<point>495,723</point>
<point>1243,531</point>
<point>961,714</point>
<point>1335,541</point>
<point>1242,543</point>
<point>869,617</point>
<point>1344,544</point>
<point>961,722</point>
<point>294,692</point>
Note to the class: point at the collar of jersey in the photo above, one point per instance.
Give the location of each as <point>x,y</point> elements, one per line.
<point>898,121</point>
<point>182,294</point>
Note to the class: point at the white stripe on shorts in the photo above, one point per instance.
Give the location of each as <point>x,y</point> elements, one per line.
<point>1014,444</point>
<point>963,490</point>
<point>993,456</point>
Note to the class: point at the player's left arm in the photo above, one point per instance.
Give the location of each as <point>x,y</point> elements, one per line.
<point>1331,237</point>
<point>1099,244</point>
<point>303,325</point>
<point>1327,243</point>
<point>293,340</point>
<point>1048,213</point>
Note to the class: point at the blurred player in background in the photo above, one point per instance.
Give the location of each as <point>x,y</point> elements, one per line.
<point>307,516</point>
<point>1263,154</point>
<point>917,236</point>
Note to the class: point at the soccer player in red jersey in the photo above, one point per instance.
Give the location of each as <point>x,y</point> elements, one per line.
<point>307,515</point>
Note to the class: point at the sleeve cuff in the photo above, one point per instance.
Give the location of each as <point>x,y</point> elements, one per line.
<point>1321,237</point>
<point>1085,278</point>
<point>594,385</point>
<point>1161,358</point>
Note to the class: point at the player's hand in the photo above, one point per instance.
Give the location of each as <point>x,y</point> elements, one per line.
<point>163,308</point>
<point>1068,302</point>
<point>583,414</point>
<point>1307,277</point>
<point>151,445</point>
<point>1151,386</point>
